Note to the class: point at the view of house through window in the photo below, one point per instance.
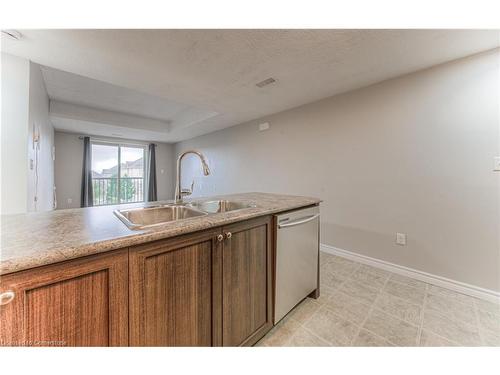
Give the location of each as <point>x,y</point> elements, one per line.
<point>117,173</point>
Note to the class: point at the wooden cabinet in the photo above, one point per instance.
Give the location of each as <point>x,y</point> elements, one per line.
<point>76,303</point>
<point>172,291</point>
<point>246,285</point>
<point>210,288</point>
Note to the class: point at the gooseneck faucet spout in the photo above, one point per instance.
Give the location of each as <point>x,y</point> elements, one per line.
<point>179,192</point>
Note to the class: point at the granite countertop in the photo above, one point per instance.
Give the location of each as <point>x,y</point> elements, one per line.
<point>36,239</point>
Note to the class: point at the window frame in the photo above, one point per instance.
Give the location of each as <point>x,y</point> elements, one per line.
<point>119,145</point>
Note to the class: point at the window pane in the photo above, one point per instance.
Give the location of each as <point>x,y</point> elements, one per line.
<point>105,174</point>
<point>132,159</point>
<point>132,174</point>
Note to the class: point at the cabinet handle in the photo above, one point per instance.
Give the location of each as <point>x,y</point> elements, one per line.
<point>6,297</point>
<point>228,235</point>
<point>220,237</point>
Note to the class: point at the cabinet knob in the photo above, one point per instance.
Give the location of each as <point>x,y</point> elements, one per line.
<point>220,237</point>
<point>228,235</point>
<point>6,297</point>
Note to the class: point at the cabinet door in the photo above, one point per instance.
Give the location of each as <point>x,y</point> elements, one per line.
<point>173,301</point>
<point>246,285</point>
<point>75,303</point>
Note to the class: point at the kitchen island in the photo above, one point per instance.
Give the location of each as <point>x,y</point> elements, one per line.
<point>81,277</point>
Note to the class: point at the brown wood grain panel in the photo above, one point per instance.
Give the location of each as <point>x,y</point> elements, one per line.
<point>217,294</point>
<point>171,292</point>
<point>11,324</point>
<point>247,293</point>
<point>177,297</point>
<point>76,303</point>
<point>77,315</point>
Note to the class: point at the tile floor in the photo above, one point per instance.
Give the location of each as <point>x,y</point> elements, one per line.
<point>365,306</point>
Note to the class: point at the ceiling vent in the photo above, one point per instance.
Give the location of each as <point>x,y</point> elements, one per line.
<point>266,82</point>
<point>12,34</point>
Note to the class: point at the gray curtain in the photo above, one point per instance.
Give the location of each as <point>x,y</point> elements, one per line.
<point>87,196</point>
<point>152,196</point>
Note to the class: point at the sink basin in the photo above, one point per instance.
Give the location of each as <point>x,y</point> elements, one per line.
<point>144,217</point>
<point>220,206</point>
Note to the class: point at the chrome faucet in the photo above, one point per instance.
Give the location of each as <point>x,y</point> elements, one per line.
<point>179,192</point>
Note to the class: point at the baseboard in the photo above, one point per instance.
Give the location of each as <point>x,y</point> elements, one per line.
<point>457,286</point>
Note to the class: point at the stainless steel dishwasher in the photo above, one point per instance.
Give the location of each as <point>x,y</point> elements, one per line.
<point>297,252</point>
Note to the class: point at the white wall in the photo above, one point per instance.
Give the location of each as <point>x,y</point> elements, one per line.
<point>68,168</point>
<point>24,103</point>
<point>39,118</point>
<point>412,154</point>
<point>14,133</point>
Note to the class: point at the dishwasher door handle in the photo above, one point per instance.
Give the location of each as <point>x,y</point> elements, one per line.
<point>298,221</point>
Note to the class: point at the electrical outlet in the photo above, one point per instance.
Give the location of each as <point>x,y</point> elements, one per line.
<point>70,200</point>
<point>401,239</point>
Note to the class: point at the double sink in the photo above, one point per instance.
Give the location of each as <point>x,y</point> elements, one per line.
<point>145,217</point>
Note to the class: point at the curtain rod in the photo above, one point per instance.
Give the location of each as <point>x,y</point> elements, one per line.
<point>145,143</point>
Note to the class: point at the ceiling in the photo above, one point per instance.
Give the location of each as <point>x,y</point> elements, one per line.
<point>193,82</point>
<point>79,102</point>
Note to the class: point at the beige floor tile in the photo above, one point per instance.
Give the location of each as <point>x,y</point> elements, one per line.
<point>343,260</point>
<point>325,293</point>
<point>374,270</point>
<point>489,321</point>
<point>349,290</point>
<point>375,280</point>
<point>392,329</point>
<point>331,327</point>
<point>430,339</point>
<point>398,307</point>
<point>325,258</point>
<point>330,279</point>
<point>452,308</point>
<point>366,338</point>
<point>408,281</point>
<point>305,338</point>
<point>360,291</point>
<point>341,269</point>
<point>453,330</point>
<point>406,292</point>
<point>348,307</point>
<point>490,338</point>
<point>491,307</point>
<point>304,310</point>
<point>280,334</point>
<point>443,292</point>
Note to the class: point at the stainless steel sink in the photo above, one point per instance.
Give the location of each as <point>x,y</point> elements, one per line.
<point>144,217</point>
<point>219,206</point>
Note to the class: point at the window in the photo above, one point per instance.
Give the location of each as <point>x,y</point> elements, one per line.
<point>117,173</point>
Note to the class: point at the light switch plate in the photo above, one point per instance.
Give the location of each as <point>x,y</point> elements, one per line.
<point>401,239</point>
<point>264,126</point>
<point>496,167</point>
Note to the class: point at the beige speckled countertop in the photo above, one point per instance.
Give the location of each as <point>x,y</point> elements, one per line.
<point>37,239</point>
